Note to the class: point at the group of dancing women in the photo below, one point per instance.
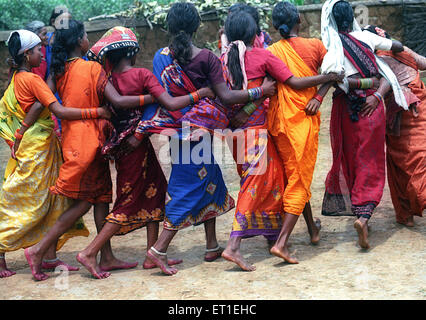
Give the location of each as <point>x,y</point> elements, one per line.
<point>70,109</point>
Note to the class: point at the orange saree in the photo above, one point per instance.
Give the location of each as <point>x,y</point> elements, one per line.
<point>295,134</point>
<point>84,174</point>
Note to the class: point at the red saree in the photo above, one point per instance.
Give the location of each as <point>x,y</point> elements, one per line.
<point>357,176</point>
<point>406,151</point>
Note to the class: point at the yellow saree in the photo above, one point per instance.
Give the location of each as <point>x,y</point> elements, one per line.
<point>27,208</point>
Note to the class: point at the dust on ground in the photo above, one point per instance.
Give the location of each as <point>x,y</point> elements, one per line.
<point>335,269</point>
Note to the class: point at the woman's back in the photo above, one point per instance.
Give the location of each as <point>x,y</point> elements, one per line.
<point>82,84</point>
<point>204,69</point>
<point>260,62</point>
<point>311,50</point>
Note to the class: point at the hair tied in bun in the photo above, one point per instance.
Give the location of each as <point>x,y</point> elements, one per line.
<point>284,30</point>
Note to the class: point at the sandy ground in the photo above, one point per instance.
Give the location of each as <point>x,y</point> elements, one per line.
<point>335,269</point>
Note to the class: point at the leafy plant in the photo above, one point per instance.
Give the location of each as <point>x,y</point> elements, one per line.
<point>155,12</point>
<point>15,14</point>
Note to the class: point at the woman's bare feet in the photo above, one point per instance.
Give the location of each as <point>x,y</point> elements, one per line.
<point>4,271</point>
<point>148,264</point>
<point>161,262</point>
<point>237,258</point>
<point>116,264</point>
<point>48,265</point>
<point>408,223</point>
<point>361,227</point>
<point>283,254</point>
<point>90,263</point>
<point>211,256</point>
<point>315,233</point>
<point>34,260</point>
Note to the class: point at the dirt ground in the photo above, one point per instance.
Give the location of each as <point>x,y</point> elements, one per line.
<point>335,269</point>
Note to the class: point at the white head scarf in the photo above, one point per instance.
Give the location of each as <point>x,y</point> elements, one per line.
<point>335,57</point>
<point>28,40</point>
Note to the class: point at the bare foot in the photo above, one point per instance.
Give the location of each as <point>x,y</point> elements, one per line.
<point>362,229</point>
<point>57,263</point>
<point>90,264</point>
<point>116,264</point>
<point>34,261</point>
<point>148,264</point>
<point>271,243</point>
<point>408,223</point>
<point>315,237</point>
<point>283,254</point>
<point>213,255</point>
<point>237,258</point>
<point>4,271</point>
<point>161,262</point>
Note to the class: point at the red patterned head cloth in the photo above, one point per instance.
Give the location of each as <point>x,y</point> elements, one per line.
<point>115,38</point>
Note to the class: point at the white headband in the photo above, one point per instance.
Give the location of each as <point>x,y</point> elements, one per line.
<point>28,40</point>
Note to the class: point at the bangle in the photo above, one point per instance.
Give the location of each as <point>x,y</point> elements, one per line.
<point>378,96</point>
<point>93,113</point>
<point>255,93</point>
<point>198,95</point>
<point>191,99</point>
<point>319,98</point>
<point>249,108</point>
<point>141,100</point>
<point>89,113</point>
<point>366,83</point>
<point>194,97</point>
<point>24,124</point>
<point>17,135</point>
<point>138,136</point>
<point>84,114</point>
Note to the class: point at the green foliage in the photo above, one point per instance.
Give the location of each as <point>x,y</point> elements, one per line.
<point>155,12</point>
<point>15,14</point>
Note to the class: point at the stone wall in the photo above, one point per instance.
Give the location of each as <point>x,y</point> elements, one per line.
<point>387,15</point>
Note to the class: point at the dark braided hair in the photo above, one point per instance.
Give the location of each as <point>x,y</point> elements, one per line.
<point>66,40</point>
<point>343,15</point>
<point>234,32</point>
<point>284,17</point>
<point>183,21</point>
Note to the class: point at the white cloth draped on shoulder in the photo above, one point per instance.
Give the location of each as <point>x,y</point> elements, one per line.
<point>335,58</point>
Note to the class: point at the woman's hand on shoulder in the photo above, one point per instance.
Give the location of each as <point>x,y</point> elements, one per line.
<point>269,87</point>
